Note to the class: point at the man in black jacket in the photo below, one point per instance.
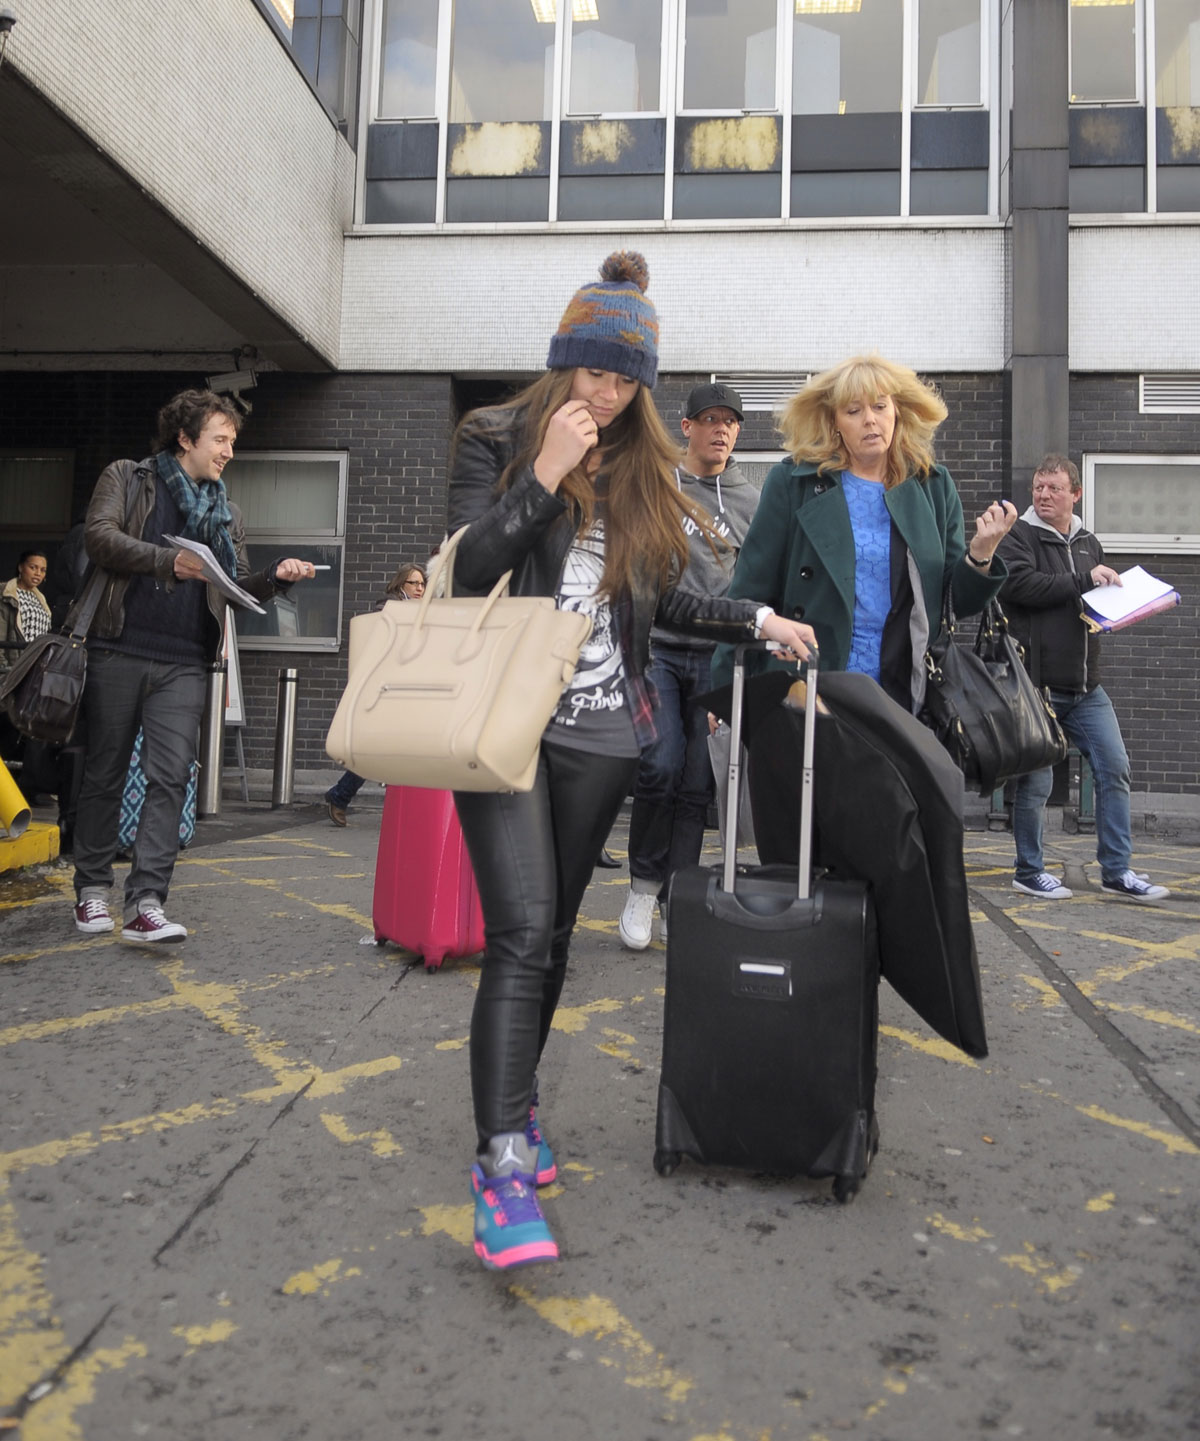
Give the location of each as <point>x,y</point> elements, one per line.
<point>1051,561</point>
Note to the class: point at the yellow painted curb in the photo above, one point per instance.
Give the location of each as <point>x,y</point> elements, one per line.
<point>37,844</point>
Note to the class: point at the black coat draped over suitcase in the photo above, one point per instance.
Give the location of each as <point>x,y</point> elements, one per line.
<point>888,810</point>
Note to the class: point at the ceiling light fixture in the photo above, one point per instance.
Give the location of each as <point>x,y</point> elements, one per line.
<point>828,7</point>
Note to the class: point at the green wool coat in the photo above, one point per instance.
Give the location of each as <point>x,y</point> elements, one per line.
<point>798,557</point>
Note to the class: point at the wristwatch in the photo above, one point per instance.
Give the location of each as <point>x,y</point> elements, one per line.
<point>980,564</point>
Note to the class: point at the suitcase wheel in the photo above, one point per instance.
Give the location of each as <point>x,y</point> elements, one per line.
<point>845,1188</point>
<point>665,1162</point>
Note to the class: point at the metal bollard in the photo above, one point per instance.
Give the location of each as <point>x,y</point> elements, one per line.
<point>285,740</point>
<point>212,742</point>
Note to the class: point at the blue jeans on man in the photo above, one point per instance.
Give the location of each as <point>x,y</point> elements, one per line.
<point>674,780</point>
<point>1091,725</point>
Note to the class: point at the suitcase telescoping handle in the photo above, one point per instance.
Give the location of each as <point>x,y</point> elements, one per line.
<point>734,779</point>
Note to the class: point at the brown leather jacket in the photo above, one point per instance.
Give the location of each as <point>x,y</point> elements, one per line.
<point>120,505</point>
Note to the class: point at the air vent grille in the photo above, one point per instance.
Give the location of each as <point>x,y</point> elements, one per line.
<point>764,392</point>
<point>1169,395</point>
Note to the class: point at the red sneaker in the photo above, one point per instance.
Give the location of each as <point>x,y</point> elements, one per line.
<point>150,926</point>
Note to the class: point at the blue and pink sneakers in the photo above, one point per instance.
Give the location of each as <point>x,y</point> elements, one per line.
<point>510,1229</point>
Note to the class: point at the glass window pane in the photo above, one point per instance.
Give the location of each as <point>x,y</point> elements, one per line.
<point>859,192</point>
<point>1147,498</point>
<point>844,63</point>
<point>497,199</point>
<point>35,490</point>
<point>502,62</point>
<point>610,197</point>
<point>285,495</point>
<point>948,52</point>
<point>949,192</point>
<point>729,55</point>
<point>1106,189</point>
<point>616,60</point>
<point>408,59</point>
<point>726,197</point>
<point>1177,62</point>
<point>309,613</point>
<point>1104,51</point>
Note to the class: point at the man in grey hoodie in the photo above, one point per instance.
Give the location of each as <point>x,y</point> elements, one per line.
<point>674,781</point>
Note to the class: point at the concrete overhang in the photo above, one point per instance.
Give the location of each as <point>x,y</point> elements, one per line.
<point>96,274</point>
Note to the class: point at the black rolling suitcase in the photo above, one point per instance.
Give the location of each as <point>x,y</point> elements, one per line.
<point>771,1014</point>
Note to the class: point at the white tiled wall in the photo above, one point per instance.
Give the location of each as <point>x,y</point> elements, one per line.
<point>730,300</point>
<point>203,107</point>
<point>1135,298</point>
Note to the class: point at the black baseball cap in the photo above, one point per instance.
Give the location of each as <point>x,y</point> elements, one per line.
<point>704,397</point>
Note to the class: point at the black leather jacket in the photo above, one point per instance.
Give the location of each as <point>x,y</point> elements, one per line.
<point>115,543</point>
<point>529,530</point>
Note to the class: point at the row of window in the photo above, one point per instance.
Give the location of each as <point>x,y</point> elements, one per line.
<point>622,57</point>
<point>498,111</point>
<point>294,503</point>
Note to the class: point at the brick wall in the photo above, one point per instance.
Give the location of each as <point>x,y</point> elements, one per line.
<point>1150,669</point>
<point>396,429</point>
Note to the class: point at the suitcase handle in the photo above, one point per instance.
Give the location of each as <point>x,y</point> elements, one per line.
<point>733,780</point>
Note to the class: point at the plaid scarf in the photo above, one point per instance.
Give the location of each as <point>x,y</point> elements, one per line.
<point>204,506</point>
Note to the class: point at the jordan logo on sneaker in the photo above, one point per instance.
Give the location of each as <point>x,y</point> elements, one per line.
<point>509,1157</point>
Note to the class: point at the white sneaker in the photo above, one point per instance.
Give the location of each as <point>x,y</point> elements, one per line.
<point>1134,887</point>
<point>662,922</point>
<point>1044,885</point>
<point>637,920</point>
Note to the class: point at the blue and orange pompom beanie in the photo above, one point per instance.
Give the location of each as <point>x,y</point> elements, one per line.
<point>609,324</point>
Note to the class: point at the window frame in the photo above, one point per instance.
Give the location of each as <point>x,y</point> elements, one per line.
<point>285,539</point>
<point>1139,61</point>
<point>566,113</point>
<point>783,12</point>
<point>1134,543</point>
<point>985,39</point>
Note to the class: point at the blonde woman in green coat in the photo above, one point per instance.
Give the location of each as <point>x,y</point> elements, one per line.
<point>861,531</point>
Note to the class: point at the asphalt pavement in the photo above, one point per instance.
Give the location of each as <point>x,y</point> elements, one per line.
<point>234,1199</point>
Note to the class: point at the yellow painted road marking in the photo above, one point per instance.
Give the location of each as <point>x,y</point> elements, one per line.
<point>928,1045</point>
<point>1102,1203</point>
<point>1043,1271</point>
<point>1158,1018</point>
<point>53,1419</point>
<point>208,1335</point>
<point>319,1084</point>
<point>955,1231</point>
<point>320,1278</point>
<point>31,1342</point>
<point>383,1143</point>
<point>1172,1141</point>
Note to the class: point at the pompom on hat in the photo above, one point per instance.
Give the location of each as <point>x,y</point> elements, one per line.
<point>609,324</point>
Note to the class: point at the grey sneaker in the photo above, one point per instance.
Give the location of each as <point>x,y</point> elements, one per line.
<point>1044,885</point>
<point>662,922</point>
<point>637,920</point>
<point>1131,886</point>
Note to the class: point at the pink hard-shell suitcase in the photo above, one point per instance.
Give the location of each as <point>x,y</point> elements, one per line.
<point>425,895</point>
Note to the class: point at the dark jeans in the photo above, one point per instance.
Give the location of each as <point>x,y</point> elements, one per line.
<point>533,855</point>
<point>167,701</point>
<point>346,789</point>
<point>674,781</point>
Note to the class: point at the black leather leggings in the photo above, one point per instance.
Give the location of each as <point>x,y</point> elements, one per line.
<point>533,855</point>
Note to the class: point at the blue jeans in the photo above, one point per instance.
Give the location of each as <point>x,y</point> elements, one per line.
<point>1091,724</point>
<point>346,789</point>
<point>674,780</point>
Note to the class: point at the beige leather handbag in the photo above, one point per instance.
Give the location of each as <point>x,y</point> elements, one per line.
<point>453,692</point>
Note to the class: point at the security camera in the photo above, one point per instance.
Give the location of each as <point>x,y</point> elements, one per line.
<point>232,381</point>
<point>8,18</point>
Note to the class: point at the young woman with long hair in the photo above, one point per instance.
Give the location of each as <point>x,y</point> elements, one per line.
<point>571,486</point>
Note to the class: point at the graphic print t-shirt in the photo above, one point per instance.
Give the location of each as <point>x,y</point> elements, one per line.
<point>593,713</point>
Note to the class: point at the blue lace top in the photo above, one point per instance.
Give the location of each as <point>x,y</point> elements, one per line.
<point>872,526</point>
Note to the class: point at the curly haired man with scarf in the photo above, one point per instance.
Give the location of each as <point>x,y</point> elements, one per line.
<point>157,627</point>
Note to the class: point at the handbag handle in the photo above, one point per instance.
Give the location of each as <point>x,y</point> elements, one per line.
<point>472,642</point>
